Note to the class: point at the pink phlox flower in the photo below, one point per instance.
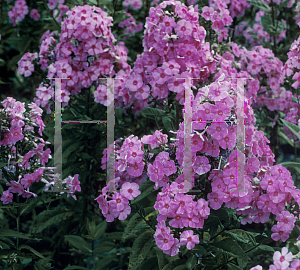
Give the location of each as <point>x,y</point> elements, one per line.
<point>283,258</point>
<point>189,239</point>
<point>181,204</point>
<point>136,169</point>
<point>130,190</point>
<point>214,201</point>
<point>218,130</point>
<point>15,187</point>
<point>120,200</point>
<point>279,234</point>
<point>286,221</point>
<point>174,248</point>
<point>203,164</point>
<point>135,155</point>
<point>6,197</point>
<point>164,241</point>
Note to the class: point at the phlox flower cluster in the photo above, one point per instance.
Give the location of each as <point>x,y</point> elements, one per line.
<point>118,205</point>
<point>25,65</point>
<point>84,53</point>
<point>18,12</point>
<point>266,188</point>
<point>130,26</point>
<point>183,212</point>
<point>17,126</point>
<point>52,3</point>
<point>261,62</point>
<point>134,4</point>
<point>219,15</point>
<point>62,10</point>
<point>173,47</point>
<point>34,14</point>
<point>282,261</point>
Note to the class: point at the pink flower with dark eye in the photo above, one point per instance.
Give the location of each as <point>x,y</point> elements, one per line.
<point>135,155</point>
<point>34,14</point>
<point>135,169</point>
<point>15,187</point>
<point>7,197</point>
<point>218,130</point>
<point>134,83</point>
<point>16,134</point>
<point>120,200</point>
<point>203,164</point>
<point>171,67</point>
<point>130,190</point>
<point>207,12</point>
<point>283,258</point>
<point>164,241</point>
<point>221,111</point>
<point>183,28</point>
<point>189,239</point>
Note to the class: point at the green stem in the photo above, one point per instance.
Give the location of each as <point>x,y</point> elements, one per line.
<point>235,258</point>
<point>135,210</point>
<point>50,11</point>
<point>273,22</point>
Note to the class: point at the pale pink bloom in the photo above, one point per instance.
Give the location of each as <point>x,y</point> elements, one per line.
<point>283,258</point>
<point>130,190</point>
<point>189,239</point>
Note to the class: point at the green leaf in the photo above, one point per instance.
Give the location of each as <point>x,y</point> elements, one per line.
<point>266,248</point>
<point>104,247</point>
<point>260,5</point>
<point>78,242</point>
<point>141,246</point>
<point>200,249</point>
<point>144,252</point>
<point>74,267</point>
<point>30,205</point>
<point>150,263</point>
<point>266,22</point>
<point>53,220</point>
<point>161,257</point>
<point>32,250</point>
<point>113,235</point>
<point>167,122</point>
<point>290,164</point>
<point>144,192</point>
<point>238,235</point>
<point>70,149</point>
<point>105,261</point>
<point>120,16</point>
<point>292,127</point>
<point>231,266</point>
<point>91,228</point>
<point>152,111</point>
<point>191,262</point>
<point>172,265</point>
<point>100,229</point>
<point>134,221</point>
<point>108,4</point>
<point>229,245</point>
<point>11,233</point>
<point>295,99</point>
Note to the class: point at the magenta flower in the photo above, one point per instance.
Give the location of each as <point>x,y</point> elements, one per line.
<point>214,201</point>
<point>283,258</point>
<point>34,14</point>
<point>135,155</point>
<point>217,130</point>
<point>134,82</point>
<point>189,239</point>
<point>155,171</point>
<point>183,28</point>
<point>174,248</point>
<point>7,197</point>
<point>124,212</point>
<point>135,169</point>
<point>279,234</point>
<point>130,190</point>
<point>203,164</point>
<point>15,187</point>
<point>164,241</point>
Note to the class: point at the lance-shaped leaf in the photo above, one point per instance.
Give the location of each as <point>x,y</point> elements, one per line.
<point>78,242</point>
